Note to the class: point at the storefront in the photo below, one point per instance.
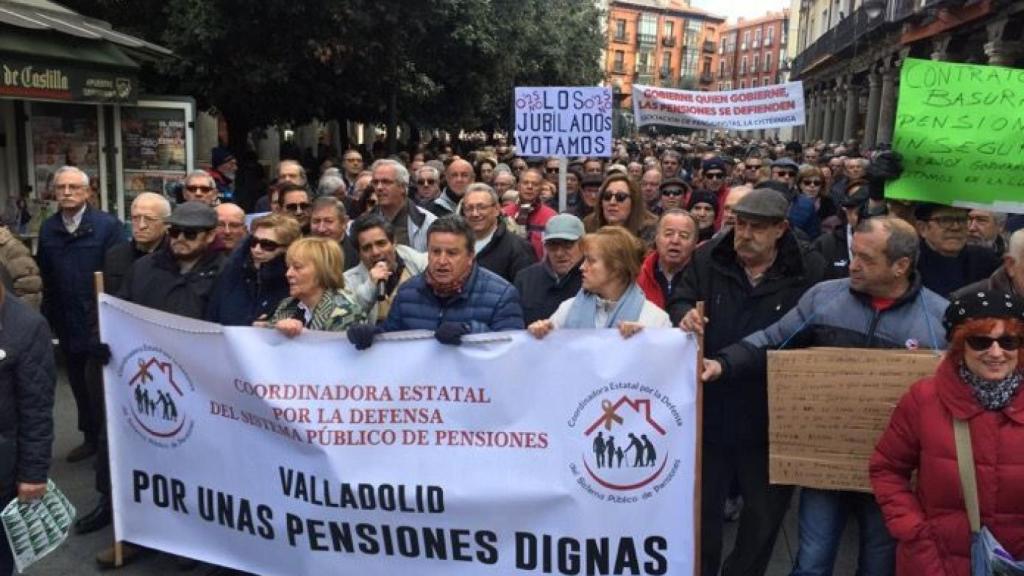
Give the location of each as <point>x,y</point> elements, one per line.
<point>69,94</point>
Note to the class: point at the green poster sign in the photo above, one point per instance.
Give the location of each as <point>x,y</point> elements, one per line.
<point>960,129</point>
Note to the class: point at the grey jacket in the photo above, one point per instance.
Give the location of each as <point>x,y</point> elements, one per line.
<point>359,284</point>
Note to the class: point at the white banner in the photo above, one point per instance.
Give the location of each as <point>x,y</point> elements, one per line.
<point>240,447</point>
<point>563,121</point>
<point>774,106</point>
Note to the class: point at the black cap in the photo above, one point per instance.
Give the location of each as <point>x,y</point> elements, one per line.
<point>763,204</point>
<point>982,304</point>
<point>924,210</point>
<point>193,214</point>
<point>703,197</point>
<point>674,183</point>
<point>713,163</point>
<point>592,180</point>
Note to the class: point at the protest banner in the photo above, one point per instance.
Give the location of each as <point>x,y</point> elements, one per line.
<point>563,121</point>
<point>958,127</point>
<point>827,407</point>
<point>241,447</point>
<point>774,106</point>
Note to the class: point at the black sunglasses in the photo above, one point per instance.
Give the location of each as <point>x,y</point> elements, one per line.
<point>982,343</point>
<point>426,182</point>
<point>265,244</point>
<point>672,192</point>
<point>714,175</point>
<point>619,197</point>
<point>199,188</point>
<point>812,182</point>
<point>297,206</point>
<point>189,234</point>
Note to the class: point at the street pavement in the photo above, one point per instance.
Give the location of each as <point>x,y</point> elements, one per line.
<point>76,557</point>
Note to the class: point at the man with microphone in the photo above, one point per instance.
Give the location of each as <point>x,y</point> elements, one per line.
<point>383,265</point>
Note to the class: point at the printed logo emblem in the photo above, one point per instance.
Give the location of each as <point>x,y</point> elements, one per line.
<point>157,397</point>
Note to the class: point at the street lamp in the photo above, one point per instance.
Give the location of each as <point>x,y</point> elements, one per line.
<point>874,8</point>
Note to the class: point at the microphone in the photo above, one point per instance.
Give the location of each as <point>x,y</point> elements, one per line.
<point>382,290</point>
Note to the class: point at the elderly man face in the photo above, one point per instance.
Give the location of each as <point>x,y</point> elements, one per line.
<point>855,168</point>
<point>551,170</point>
<point>459,176</point>
<point>201,189</point>
<point>982,228</point>
<point>390,192</point>
<point>670,165</point>
<point>529,186</point>
<point>635,171</point>
<point>148,225</point>
<point>296,203</point>
<point>71,190</point>
<point>503,182</point>
<point>230,224</point>
<point>649,186</point>
<point>593,166</point>
<point>428,185</point>
<point>352,162</point>
<point>481,213</point>
<point>731,199</point>
<point>675,241</point>
<point>326,222</point>
<point>290,171</point>
<point>945,230</point>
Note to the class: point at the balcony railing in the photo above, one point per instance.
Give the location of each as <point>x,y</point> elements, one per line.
<point>621,38</point>
<point>668,41</point>
<point>641,69</point>
<point>707,78</point>
<point>617,68</point>
<point>646,39</point>
<point>855,29</point>
<point>767,41</point>
<point>709,46</point>
<point>664,73</point>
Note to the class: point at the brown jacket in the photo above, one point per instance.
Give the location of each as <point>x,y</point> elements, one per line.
<point>21,268</point>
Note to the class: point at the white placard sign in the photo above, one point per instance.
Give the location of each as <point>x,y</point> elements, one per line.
<point>774,106</point>
<point>237,446</point>
<point>563,121</point>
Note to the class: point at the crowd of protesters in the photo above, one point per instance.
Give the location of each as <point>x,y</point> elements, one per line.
<point>787,244</point>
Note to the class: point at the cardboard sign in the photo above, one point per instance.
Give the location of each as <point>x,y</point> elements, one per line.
<point>958,128</point>
<point>772,106</point>
<point>827,408</point>
<point>563,122</point>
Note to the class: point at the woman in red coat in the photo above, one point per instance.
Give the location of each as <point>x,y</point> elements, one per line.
<point>978,381</point>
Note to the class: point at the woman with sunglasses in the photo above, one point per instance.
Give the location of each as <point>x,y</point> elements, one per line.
<point>317,299</point>
<point>610,296</point>
<point>622,204</point>
<point>252,283</point>
<point>811,183</point>
<point>978,382</point>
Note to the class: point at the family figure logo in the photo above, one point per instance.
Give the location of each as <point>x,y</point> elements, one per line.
<point>157,402</point>
<point>627,445</point>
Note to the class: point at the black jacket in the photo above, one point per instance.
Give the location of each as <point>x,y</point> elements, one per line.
<point>835,249</point>
<point>117,261</point>
<point>506,254</point>
<point>242,294</point>
<point>735,414</point>
<point>27,379</point>
<point>540,291</point>
<point>155,281</point>
<point>944,275</point>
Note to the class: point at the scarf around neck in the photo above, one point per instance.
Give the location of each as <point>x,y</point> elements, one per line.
<point>446,289</point>
<point>991,394</point>
<point>583,312</point>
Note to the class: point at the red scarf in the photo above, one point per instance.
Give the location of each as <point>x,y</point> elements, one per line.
<point>449,289</point>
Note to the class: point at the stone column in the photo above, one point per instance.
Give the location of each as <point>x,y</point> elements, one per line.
<point>940,47</point>
<point>826,120</point>
<point>874,99</point>
<point>850,122</point>
<point>1001,52</point>
<point>839,113</point>
<point>887,108</point>
<point>811,109</point>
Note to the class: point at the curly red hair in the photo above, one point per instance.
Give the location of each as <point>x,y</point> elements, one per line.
<point>980,327</point>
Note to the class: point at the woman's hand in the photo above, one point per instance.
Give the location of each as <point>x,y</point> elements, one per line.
<point>540,328</point>
<point>290,327</point>
<point>627,329</point>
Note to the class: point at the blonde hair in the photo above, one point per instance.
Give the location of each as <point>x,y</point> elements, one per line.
<point>621,251</point>
<point>286,227</point>
<point>326,257</point>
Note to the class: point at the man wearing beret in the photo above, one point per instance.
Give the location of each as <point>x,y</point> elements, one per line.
<point>748,278</point>
<point>179,276</point>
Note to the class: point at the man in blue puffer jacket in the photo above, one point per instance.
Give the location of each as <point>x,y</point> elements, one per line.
<point>453,297</point>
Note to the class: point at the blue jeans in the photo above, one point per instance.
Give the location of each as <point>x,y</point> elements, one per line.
<point>823,516</point>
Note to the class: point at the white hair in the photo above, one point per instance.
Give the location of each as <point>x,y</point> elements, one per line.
<point>162,202</point>
<point>401,173</point>
<point>73,170</point>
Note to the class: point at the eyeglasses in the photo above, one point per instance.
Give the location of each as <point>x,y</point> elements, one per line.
<point>143,219</point>
<point>812,182</point>
<point>714,175</point>
<point>265,244</point>
<point>551,170</point>
<point>785,174</point>
<point>753,166</point>
<point>230,225</point>
<point>949,221</point>
<point>297,207</point>
<point>381,182</point>
<point>196,188</point>
<point>476,208</point>
<point>72,187</point>
<point>673,192</point>
<point>189,234</point>
<point>982,343</point>
<point>619,197</point>
<point>426,182</point>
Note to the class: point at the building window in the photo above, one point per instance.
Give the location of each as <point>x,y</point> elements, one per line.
<point>743,65</point>
<point>721,68</point>
<point>648,28</point>
<point>753,83</point>
<point>643,62</point>
<point>756,63</point>
<point>666,64</point>
<point>706,69</point>
<point>620,58</point>
<point>743,84</point>
<point>620,29</point>
<point>746,40</point>
<point>768,35</point>
<point>757,38</point>
<point>768,62</point>
<point>669,29</point>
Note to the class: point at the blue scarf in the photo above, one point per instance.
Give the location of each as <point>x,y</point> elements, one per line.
<point>583,311</point>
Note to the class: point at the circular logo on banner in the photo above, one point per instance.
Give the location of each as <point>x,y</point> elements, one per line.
<point>155,398</point>
<point>625,432</point>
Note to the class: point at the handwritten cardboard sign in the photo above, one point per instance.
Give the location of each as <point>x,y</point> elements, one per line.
<point>563,122</point>
<point>827,408</point>
<point>772,106</point>
<point>958,128</point>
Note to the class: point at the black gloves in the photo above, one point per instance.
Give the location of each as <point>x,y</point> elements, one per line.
<point>100,352</point>
<point>361,335</point>
<point>887,165</point>
<point>451,333</point>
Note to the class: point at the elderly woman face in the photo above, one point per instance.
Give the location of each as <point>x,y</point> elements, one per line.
<point>302,279</point>
<point>597,277</point>
<point>266,245</point>
<point>992,355</point>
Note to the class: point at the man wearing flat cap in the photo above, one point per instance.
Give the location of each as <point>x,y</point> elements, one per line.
<point>947,262</point>
<point>179,276</point>
<point>748,279</point>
